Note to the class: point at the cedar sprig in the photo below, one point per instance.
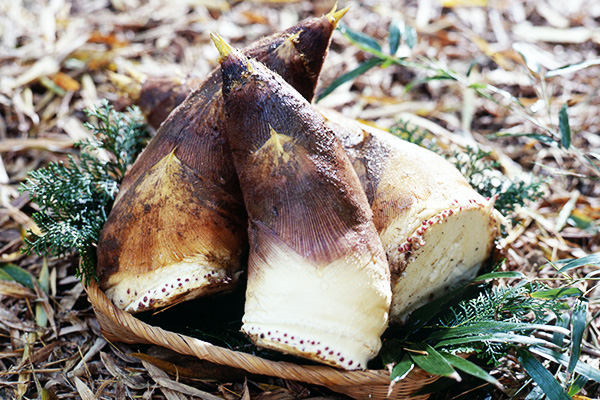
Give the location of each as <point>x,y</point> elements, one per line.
<point>485,177</point>
<point>513,304</point>
<point>74,198</point>
<point>413,134</point>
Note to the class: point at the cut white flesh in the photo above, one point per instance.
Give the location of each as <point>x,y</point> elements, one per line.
<point>436,230</point>
<point>325,313</point>
<point>178,282</point>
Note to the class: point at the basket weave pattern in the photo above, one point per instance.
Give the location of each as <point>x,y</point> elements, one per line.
<point>120,326</point>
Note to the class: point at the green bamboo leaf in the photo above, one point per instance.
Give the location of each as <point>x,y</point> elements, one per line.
<point>578,322</point>
<point>395,36</point>
<point>577,385</point>
<point>348,76</point>
<point>18,274</point>
<point>482,328</point>
<point>433,362</point>
<point>498,275</point>
<point>362,40</point>
<point>410,36</point>
<point>557,293</point>
<point>41,318</point>
<point>559,358</point>
<point>592,259</point>
<point>558,337</point>
<point>582,221</point>
<point>541,376</point>
<point>391,351</point>
<point>402,369</point>
<point>471,369</point>
<point>5,276</point>
<point>498,337</point>
<point>563,125</point>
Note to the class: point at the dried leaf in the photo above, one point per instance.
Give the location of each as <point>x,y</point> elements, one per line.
<point>163,380</point>
<point>10,320</point>
<point>190,368</point>
<point>132,381</point>
<point>464,3</point>
<point>531,33</point>
<point>43,67</point>
<point>84,391</point>
<point>66,82</point>
<point>15,289</point>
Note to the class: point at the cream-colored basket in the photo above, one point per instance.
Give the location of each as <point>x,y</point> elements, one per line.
<point>120,326</point>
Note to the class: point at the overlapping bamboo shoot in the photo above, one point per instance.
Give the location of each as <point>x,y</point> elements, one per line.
<point>435,228</point>
<point>318,281</point>
<point>296,54</point>
<point>179,209</point>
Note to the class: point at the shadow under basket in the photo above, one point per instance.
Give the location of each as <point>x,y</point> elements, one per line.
<point>120,326</point>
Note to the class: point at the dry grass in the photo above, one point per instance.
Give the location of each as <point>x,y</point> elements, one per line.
<point>58,57</point>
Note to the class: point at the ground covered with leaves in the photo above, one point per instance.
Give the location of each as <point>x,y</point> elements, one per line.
<point>507,89</point>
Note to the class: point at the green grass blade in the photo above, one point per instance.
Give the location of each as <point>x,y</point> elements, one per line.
<point>360,39</point>
<point>559,358</point>
<point>348,76</point>
<point>578,322</point>
<point>557,293</point>
<point>564,127</point>
<point>541,376</point>
<point>395,36</point>
<point>416,82</point>
<point>567,69</point>
<point>473,64</point>
<point>577,385</point>
<point>592,259</point>
<point>498,275</point>
<point>433,362</point>
<point>471,369</point>
<point>537,136</point>
<point>402,369</point>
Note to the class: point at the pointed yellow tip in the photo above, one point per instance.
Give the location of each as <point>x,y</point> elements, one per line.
<point>222,46</point>
<point>294,36</point>
<point>335,16</point>
<point>225,50</point>
<point>272,131</point>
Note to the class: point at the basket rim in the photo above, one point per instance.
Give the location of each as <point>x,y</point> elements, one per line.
<point>312,374</point>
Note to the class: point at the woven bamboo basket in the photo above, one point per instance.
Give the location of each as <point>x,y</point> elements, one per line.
<point>120,326</point>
